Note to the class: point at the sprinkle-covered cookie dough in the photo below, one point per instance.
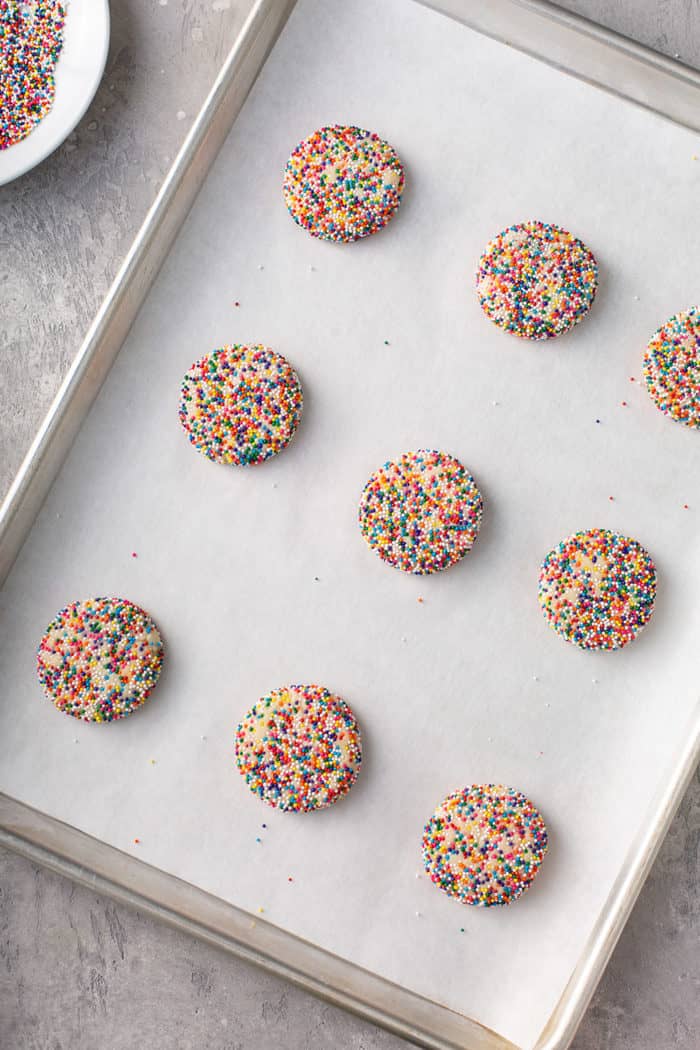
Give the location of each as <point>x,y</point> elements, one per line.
<point>672,367</point>
<point>99,659</point>
<point>31,39</point>
<point>536,280</point>
<point>597,589</point>
<point>299,748</point>
<point>484,844</point>
<point>421,513</point>
<point>241,404</point>
<point>343,183</point>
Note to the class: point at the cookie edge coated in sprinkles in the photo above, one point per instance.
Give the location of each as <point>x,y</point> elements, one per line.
<point>393,464</point>
<point>557,624</point>
<point>288,379</point>
<point>665,402</point>
<point>518,330</point>
<point>55,623</point>
<point>318,693</point>
<point>315,225</point>
<point>500,791</point>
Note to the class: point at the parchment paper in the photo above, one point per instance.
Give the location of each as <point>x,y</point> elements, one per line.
<point>470,685</point>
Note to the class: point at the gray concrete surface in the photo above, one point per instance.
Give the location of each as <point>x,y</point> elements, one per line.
<point>76,971</point>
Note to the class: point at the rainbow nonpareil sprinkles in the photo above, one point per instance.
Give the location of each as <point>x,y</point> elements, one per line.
<point>536,280</point>
<point>422,512</point>
<point>342,183</point>
<point>31,39</point>
<point>597,589</point>
<point>484,844</point>
<point>672,367</point>
<point>241,404</point>
<point>99,659</point>
<point>299,748</point>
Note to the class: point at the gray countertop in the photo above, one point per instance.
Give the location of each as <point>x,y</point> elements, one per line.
<point>78,972</point>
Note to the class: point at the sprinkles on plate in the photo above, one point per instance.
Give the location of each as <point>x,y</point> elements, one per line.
<point>31,39</point>
<point>536,280</point>
<point>597,589</point>
<point>99,659</point>
<point>299,748</point>
<point>484,844</point>
<point>672,367</point>
<point>421,513</point>
<point>342,183</point>
<point>241,404</point>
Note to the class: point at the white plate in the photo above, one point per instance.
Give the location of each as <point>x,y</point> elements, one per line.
<point>78,74</point>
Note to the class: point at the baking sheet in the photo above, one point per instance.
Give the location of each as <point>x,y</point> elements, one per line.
<point>469,684</point>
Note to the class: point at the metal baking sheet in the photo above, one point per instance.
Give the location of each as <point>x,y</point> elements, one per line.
<point>468,684</point>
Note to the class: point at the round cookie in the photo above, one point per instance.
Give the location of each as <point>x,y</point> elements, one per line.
<point>240,404</point>
<point>536,280</point>
<point>484,844</point>
<point>672,367</point>
<point>299,748</point>
<point>99,659</point>
<point>342,183</point>
<point>597,589</point>
<point>422,512</point>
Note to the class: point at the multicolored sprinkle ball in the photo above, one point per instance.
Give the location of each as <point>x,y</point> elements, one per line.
<point>536,280</point>
<point>299,748</point>
<point>484,844</point>
<point>422,512</point>
<point>597,589</point>
<point>343,183</point>
<point>672,367</point>
<point>241,404</point>
<point>99,659</point>
<point>31,39</point>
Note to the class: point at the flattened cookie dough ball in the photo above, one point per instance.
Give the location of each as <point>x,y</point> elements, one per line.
<point>672,367</point>
<point>597,589</point>
<point>99,659</point>
<point>422,512</point>
<point>536,280</point>
<point>240,404</point>
<point>299,748</point>
<point>484,844</point>
<point>342,183</point>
